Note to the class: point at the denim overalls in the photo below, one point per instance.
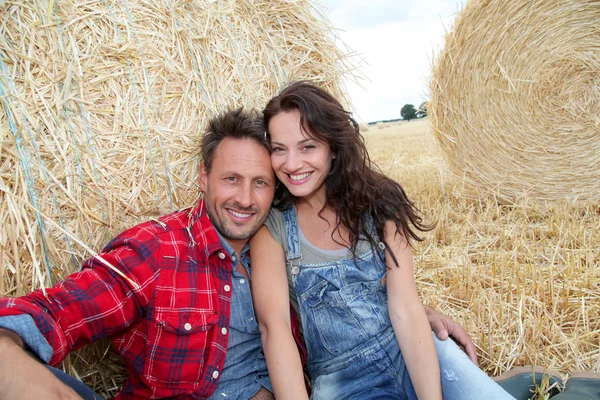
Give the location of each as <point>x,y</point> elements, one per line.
<point>352,349</point>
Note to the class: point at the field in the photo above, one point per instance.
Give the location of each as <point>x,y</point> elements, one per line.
<point>524,279</point>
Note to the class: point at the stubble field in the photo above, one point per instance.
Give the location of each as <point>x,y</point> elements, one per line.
<point>524,278</point>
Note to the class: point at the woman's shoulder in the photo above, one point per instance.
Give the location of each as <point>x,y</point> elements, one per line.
<point>275,215</point>
<point>276,224</point>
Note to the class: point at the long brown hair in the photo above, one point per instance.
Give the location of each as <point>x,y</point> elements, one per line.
<point>355,188</point>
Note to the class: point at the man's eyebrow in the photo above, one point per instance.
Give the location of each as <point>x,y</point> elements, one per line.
<point>229,173</point>
<point>264,178</point>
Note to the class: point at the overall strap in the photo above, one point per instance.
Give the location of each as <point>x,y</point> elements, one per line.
<point>370,223</point>
<point>293,255</point>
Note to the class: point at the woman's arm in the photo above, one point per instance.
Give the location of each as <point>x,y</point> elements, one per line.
<point>409,320</point>
<point>272,306</point>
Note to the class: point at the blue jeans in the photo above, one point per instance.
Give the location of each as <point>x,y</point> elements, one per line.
<point>383,375</point>
<point>79,387</point>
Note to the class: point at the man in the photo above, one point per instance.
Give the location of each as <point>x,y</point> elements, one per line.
<point>173,294</point>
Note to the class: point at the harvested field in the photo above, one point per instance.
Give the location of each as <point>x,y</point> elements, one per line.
<point>523,278</point>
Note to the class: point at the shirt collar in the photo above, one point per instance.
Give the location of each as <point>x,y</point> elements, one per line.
<point>227,247</point>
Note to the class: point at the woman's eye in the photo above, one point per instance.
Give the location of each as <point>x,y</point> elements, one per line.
<point>277,149</point>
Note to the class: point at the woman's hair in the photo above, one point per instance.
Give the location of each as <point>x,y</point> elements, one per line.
<point>354,187</point>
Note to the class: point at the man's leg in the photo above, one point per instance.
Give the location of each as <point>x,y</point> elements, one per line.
<point>79,387</point>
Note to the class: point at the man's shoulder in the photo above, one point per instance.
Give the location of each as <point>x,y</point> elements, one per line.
<point>155,228</point>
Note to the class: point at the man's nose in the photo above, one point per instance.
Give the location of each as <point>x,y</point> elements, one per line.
<point>244,195</point>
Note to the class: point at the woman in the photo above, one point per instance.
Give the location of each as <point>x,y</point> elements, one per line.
<point>339,248</point>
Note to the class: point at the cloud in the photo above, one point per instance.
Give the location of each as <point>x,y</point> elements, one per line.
<point>398,49</point>
<point>359,14</point>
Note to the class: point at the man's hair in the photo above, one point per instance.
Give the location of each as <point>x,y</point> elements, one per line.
<point>235,124</point>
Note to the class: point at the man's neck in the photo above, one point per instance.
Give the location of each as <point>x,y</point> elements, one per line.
<point>237,245</point>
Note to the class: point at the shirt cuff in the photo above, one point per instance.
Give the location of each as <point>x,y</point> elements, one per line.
<point>24,326</point>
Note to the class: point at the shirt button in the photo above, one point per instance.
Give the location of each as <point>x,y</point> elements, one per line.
<point>295,270</point>
<point>233,258</point>
<point>242,281</point>
<point>227,288</point>
<point>215,374</point>
<point>224,331</point>
<point>222,255</point>
<point>187,326</point>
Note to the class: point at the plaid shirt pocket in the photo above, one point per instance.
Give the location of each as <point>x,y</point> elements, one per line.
<point>179,341</point>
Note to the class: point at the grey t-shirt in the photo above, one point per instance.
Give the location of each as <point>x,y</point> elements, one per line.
<point>311,254</point>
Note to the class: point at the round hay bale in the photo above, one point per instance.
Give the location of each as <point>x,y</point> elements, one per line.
<point>104,104</point>
<point>515,99</point>
<point>103,108</point>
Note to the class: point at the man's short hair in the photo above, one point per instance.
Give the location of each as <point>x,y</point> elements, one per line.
<point>235,124</point>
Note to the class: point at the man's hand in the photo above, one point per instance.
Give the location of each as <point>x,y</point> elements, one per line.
<point>23,377</point>
<point>445,327</point>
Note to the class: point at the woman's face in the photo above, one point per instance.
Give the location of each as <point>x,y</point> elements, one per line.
<point>300,163</point>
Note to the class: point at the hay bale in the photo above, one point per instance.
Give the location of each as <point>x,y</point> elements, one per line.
<point>515,98</point>
<point>104,103</point>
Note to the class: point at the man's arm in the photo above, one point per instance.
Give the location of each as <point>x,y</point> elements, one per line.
<point>93,303</point>
<point>445,327</point>
<point>18,370</point>
<point>25,329</point>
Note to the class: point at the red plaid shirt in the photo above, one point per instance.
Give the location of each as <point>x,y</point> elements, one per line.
<point>171,329</point>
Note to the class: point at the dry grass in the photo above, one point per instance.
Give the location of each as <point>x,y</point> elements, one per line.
<point>523,278</point>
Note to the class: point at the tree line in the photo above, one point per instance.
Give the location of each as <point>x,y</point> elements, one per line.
<point>408,111</point>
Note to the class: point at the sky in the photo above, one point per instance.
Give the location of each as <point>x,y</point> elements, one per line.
<point>397,40</point>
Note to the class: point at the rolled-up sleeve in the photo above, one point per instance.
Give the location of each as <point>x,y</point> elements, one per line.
<point>94,303</point>
<point>24,326</point>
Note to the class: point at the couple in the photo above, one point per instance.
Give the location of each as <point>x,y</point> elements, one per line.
<point>174,294</point>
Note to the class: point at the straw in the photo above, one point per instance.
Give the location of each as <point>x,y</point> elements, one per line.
<point>515,99</point>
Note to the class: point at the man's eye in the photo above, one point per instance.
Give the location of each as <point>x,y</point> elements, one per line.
<point>231,179</point>
<point>261,183</point>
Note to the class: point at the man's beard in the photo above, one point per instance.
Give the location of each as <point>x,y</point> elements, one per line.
<point>220,221</point>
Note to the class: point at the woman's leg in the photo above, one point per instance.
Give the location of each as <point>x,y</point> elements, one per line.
<point>461,379</point>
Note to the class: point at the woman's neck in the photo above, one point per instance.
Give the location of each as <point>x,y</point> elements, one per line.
<point>316,201</point>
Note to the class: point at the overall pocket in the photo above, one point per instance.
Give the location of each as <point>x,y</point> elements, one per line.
<point>328,323</point>
<point>179,340</point>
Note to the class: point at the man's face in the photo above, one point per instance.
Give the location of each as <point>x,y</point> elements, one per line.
<point>239,189</point>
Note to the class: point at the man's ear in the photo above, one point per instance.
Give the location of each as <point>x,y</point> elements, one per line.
<point>203,177</point>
